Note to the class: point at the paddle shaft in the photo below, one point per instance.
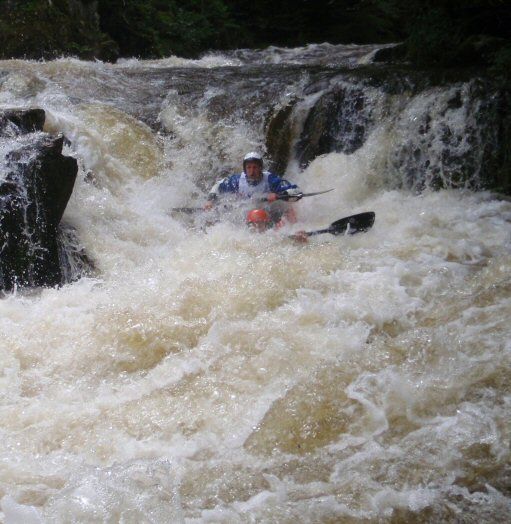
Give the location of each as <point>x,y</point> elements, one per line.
<point>319,232</point>
<point>295,198</point>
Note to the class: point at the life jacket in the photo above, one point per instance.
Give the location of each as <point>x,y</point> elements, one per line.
<point>247,190</point>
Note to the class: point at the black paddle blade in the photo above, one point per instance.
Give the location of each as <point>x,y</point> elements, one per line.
<point>353,224</point>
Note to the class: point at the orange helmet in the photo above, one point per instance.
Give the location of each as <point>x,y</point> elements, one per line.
<point>257,216</point>
<point>258,219</point>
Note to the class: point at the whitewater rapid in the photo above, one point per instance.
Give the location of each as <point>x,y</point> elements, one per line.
<point>216,375</point>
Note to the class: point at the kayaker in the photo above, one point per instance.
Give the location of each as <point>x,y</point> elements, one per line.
<point>253,181</point>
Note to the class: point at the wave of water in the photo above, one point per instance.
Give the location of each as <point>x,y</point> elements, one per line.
<point>222,376</point>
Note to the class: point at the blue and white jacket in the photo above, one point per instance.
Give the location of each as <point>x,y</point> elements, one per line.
<point>270,183</point>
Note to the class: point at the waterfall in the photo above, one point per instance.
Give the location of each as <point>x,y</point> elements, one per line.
<point>199,372</point>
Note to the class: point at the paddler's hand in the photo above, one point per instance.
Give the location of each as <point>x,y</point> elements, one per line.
<point>272,197</point>
<point>208,206</point>
<point>300,236</point>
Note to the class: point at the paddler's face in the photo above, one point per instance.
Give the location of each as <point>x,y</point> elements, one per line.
<point>254,171</point>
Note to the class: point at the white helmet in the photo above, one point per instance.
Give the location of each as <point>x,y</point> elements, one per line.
<point>252,157</point>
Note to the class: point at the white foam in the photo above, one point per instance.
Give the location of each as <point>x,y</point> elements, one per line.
<point>144,391</point>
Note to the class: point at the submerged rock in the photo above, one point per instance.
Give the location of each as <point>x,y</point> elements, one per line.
<point>73,259</point>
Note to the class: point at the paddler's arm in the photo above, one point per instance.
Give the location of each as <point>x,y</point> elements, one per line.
<point>224,185</point>
<point>300,236</point>
<point>213,195</point>
<point>280,186</point>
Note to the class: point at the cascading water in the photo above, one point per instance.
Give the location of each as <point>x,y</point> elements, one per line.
<point>215,375</point>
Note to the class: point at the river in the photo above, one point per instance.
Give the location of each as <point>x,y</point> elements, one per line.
<point>210,374</point>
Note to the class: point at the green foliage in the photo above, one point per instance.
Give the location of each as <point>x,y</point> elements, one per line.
<point>442,33</point>
<point>436,33</point>
<point>157,28</point>
<point>433,40</point>
<point>501,62</point>
<point>297,22</point>
<point>40,29</point>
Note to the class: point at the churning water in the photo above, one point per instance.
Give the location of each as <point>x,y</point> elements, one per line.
<point>215,375</point>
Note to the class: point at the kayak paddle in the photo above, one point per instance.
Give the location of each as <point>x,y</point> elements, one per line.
<point>281,196</point>
<point>186,210</point>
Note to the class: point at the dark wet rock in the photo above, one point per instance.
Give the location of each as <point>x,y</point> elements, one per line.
<point>20,121</point>
<point>461,142</point>
<point>390,54</point>
<point>36,184</point>
<point>494,115</point>
<point>339,122</point>
<point>279,137</point>
<point>455,102</point>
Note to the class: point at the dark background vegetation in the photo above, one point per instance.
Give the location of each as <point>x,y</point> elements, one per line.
<point>435,33</point>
